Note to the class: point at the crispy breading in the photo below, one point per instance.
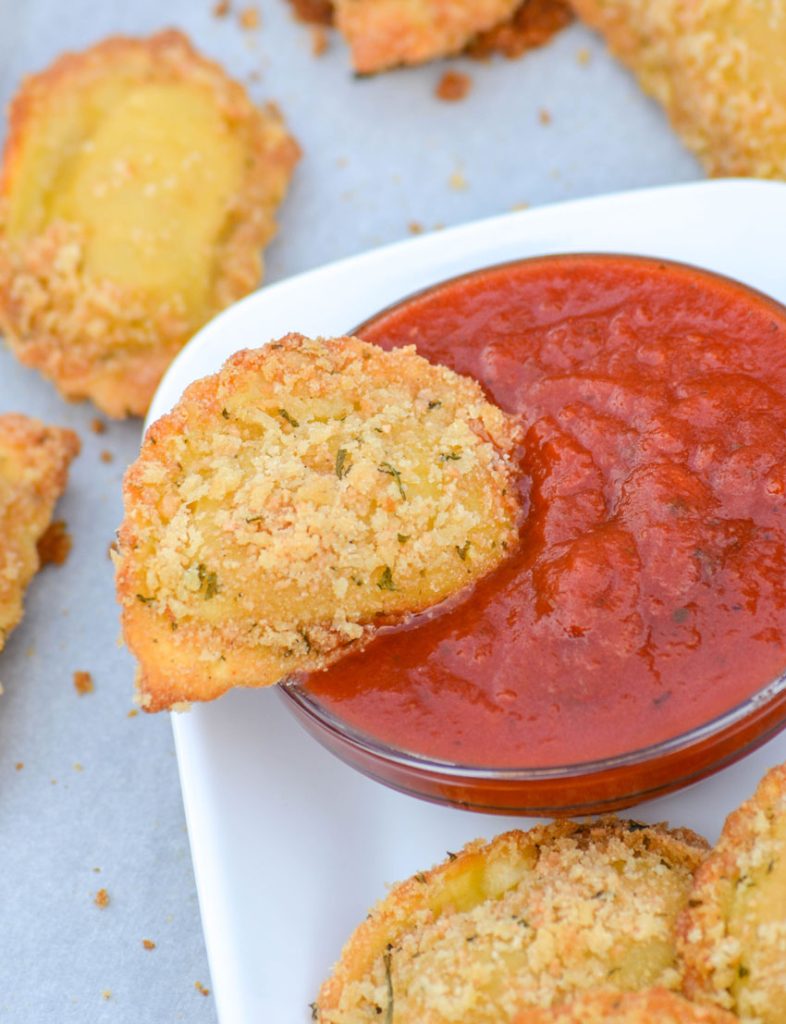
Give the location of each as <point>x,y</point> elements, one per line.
<point>717,67</point>
<point>307,493</point>
<point>139,184</point>
<point>654,1006</point>
<point>525,920</point>
<point>34,461</point>
<point>387,33</point>
<point>732,936</point>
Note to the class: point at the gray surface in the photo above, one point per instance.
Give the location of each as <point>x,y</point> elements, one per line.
<point>379,154</point>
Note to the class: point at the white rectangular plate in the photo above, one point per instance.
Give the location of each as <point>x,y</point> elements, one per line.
<point>290,846</point>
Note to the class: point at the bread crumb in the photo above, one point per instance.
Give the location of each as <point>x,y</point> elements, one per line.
<point>133,713</point>
<point>101,899</point>
<point>19,765</point>
<point>583,56</point>
<point>201,988</point>
<point>319,40</point>
<point>249,18</point>
<point>97,871</point>
<point>544,116</point>
<point>98,426</point>
<point>148,944</point>
<point>415,227</point>
<point>54,544</point>
<point>107,993</point>
<point>314,12</point>
<point>107,456</point>
<point>78,767</point>
<point>83,683</point>
<point>520,206</point>
<point>221,9</point>
<point>453,86</point>
<point>458,182</point>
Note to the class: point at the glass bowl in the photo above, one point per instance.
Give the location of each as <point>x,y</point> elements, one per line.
<point>599,784</point>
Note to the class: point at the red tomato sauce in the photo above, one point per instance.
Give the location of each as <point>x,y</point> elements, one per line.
<point>648,593</point>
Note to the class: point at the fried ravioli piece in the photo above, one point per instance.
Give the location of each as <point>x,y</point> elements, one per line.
<point>34,461</point>
<point>654,1006</point>
<point>139,184</point>
<point>526,920</point>
<point>716,66</point>
<point>384,34</point>
<point>732,936</point>
<point>306,493</point>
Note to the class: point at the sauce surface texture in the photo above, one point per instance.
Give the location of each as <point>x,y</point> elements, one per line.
<point>648,594</point>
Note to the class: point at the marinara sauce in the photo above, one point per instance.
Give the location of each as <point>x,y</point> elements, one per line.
<point>648,593</point>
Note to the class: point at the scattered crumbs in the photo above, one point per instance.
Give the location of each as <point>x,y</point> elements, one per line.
<point>83,683</point>
<point>221,9</point>
<point>19,765</point>
<point>249,18</point>
<point>453,86</point>
<point>97,871</point>
<point>133,713</point>
<point>254,76</point>
<point>112,549</point>
<point>148,944</point>
<point>544,116</point>
<point>107,456</point>
<point>583,56</point>
<point>101,899</point>
<point>98,426</point>
<point>78,767</point>
<point>107,993</point>
<point>520,206</point>
<point>201,988</point>
<point>319,40</point>
<point>415,227</point>
<point>53,782</point>
<point>54,544</point>
<point>458,182</point>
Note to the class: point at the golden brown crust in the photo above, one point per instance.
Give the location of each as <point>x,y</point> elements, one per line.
<point>716,66</point>
<point>304,495</point>
<point>387,33</point>
<point>533,24</point>
<point>527,919</point>
<point>732,936</point>
<point>98,334</point>
<point>654,1006</point>
<point>34,460</point>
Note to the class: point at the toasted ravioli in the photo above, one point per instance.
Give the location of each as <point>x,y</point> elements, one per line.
<point>139,183</point>
<point>386,33</point>
<point>654,1006</point>
<point>307,493</point>
<point>732,936</point>
<point>526,920</point>
<point>34,462</point>
<point>717,67</point>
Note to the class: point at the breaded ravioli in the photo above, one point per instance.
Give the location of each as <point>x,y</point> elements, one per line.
<point>526,920</point>
<point>386,33</point>
<point>34,461</point>
<point>304,495</point>
<point>138,186</point>
<point>653,1006</point>
<point>732,937</point>
<point>716,66</point>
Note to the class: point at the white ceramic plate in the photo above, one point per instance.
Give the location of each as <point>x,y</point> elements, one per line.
<point>290,846</point>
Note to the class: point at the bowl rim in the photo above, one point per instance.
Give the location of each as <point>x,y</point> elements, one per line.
<point>757,702</point>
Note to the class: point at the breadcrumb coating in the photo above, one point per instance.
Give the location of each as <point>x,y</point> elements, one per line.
<point>308,493</point>
<point>526,920</point>
<point>34,461</point>
<point>138,186</point>
<point>732,936</point>
<point>384,34</point>
<point>716,66</point>
<point>654,1006</point>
